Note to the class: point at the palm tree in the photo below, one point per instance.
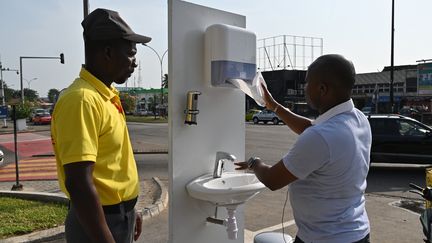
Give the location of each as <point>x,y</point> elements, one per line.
<point>165,81</point>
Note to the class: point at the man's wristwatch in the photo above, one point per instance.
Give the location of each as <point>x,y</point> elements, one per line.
<point>251,162</point>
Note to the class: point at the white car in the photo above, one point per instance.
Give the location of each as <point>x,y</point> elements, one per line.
<point>266,116</point>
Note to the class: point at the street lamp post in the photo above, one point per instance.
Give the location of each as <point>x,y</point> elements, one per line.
<point>61,57</point>
<point>2,88</point>
<point>392,61</point>
<point>29,81</point>
<point>161,67</point>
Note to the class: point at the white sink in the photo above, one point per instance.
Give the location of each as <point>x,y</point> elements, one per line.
<point>231,189</point>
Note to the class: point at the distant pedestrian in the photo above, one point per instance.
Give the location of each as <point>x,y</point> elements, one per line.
<point>327,166</point>
<point>95,161</point>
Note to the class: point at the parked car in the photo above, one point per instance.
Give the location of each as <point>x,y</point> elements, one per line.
<point>142,113</point>
<point>411,112</point>
<point>250,113</point>
<point>37,111</point>
<point>368,110</point>
<point>266,116</point>
<point>44,118</point>
<point>400,139</point>
<point>302,109</point>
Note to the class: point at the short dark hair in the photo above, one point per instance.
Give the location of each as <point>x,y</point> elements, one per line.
<point>335,69</point>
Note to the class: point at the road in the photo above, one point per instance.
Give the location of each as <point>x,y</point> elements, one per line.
<point>386,185</point>
<point>270,143</point>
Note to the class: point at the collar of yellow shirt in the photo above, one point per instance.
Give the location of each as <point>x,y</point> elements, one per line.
<point>111,93</point>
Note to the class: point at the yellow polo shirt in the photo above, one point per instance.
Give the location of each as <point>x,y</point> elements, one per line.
<point>88,124</point>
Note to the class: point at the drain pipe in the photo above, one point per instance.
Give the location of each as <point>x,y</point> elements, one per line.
<point>230,223</point>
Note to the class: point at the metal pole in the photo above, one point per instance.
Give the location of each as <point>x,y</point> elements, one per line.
<point>162,97</point>
<point>29,57</point>
<point>86,7</point>
<point>86,10</point>
<point>284,54</point>
<point>161,67</point>
<point>3,95</point>
<point>17,186</point>
<point>376,98</point>
<point>29,81</point>
<point>392,61</point>
<point>21,81</point>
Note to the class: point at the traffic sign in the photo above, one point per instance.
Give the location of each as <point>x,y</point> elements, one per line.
<point>3,112</point>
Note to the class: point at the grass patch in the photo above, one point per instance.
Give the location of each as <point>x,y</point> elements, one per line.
<point>18,216</point>
<point>146,119</point>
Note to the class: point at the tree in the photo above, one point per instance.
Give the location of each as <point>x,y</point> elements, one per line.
<point>29,94</point>
<point>8,92</point>
<point>165,81</point>
<point>53,95</point>
<point>128,102</point>
<point>152,103</point>
<point>22,111</point>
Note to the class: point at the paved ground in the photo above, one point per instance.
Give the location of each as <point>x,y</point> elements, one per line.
<point>264,212</point>
<point>39,173</point>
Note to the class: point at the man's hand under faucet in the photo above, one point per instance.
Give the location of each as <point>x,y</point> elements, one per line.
<point>247,165</point>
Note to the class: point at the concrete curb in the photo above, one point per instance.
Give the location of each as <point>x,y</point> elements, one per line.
<point>157,207</point>
<point>159,204</point>
<point>24,131</point>
<point>37,196</point>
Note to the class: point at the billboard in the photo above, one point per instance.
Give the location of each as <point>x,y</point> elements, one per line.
<point>424,78</point>
<point>3,112</point>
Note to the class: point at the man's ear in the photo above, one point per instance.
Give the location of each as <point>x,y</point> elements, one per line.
<point>108,52</point>
<point>324,88</point>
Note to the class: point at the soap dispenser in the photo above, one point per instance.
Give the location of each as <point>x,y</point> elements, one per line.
<point>192,107</point>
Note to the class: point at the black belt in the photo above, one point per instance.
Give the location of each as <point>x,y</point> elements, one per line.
<point>122,207</point>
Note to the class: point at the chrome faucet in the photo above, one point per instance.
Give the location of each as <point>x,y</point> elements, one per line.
<point>219,163</point>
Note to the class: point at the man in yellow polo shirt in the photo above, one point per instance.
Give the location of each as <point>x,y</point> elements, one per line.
<point>95,162</point>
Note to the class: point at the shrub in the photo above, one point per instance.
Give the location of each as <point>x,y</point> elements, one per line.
<point>22,111</point>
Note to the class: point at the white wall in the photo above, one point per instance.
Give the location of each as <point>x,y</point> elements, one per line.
<point>192,148</point>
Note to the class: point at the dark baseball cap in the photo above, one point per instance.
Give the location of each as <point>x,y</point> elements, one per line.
<point>105,24</point>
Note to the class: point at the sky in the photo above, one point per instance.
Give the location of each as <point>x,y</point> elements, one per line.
<point>359,30</point>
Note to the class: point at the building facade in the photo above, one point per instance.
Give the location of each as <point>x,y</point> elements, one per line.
<point>373,89</point>
<point>154,100</point>
<point>412,87</point>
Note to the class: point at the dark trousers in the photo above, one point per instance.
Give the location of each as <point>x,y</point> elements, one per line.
<point>121,225</point>
<point>364,240</point>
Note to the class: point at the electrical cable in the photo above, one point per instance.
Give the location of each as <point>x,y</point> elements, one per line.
<point>283,215</point>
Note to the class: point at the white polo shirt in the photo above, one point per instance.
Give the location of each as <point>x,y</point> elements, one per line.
<point>331,161</point>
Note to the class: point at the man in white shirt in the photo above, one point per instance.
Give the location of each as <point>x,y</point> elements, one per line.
<point>327,166</point>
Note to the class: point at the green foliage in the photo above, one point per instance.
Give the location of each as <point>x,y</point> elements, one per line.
<point>29,94</point>
<point>128,102</point>
<point>53,94</point>
<point>19,216</point>
<point>165,81</point>
<point>153,101</point>
<point>146,119</point>
<point>22,110</point>
<point>8,92</point>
